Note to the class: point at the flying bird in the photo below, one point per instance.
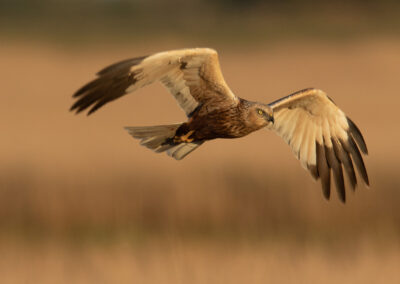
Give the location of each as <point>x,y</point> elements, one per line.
<point>320,135</point>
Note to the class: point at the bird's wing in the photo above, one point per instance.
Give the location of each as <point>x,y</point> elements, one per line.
<point>193,76</point>
<point>321,136</point>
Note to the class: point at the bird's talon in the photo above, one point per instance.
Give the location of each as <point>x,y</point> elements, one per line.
<point>184,138</point>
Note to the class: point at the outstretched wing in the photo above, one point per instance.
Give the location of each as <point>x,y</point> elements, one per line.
<point>321,137</point>
<point>193,76</point>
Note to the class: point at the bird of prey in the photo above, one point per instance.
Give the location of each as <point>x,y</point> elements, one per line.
<point>320,135</point>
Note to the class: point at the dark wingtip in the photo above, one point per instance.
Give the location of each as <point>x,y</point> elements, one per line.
<point>345,160</point>
<point>73,108</point>
<point>92,110</point>
<point>342,197</point>
<point>366,179</point>
<point>324,171</point>
<point>77,107</point>
<point>121,64</point>
<point>326,189</point>
<point>337,171</point>
<point>351,147</point>
<point>79,92</point>
<point>313,171</point>
<point>75,111</point>
<point>355,131</point>
<point>93,83</point>
<point>110,84</point>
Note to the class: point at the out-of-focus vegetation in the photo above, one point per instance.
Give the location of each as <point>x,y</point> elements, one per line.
<point>233,205</point>
<point>224,20</point>
<point>68,176</point>
<point>82,202</point>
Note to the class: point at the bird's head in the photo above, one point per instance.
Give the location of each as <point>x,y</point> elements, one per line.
<point>260,115</point>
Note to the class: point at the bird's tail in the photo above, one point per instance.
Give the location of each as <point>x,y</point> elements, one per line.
<point>160,138</point>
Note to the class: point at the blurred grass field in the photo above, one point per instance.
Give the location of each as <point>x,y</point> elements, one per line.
<point>82,202</point>
<point>175,261</point>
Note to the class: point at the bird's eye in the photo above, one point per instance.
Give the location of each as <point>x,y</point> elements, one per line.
<point>260,112</point>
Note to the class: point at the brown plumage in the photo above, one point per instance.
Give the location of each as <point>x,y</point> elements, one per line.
<point>319,133</point>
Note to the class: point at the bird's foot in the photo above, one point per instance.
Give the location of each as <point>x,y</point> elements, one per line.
<point>188,140</point>
<point>184,138</point>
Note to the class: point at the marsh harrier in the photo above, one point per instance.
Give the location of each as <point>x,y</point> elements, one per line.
<point>321,136</point>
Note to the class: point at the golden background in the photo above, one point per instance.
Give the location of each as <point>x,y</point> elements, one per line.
<point>82,202</point>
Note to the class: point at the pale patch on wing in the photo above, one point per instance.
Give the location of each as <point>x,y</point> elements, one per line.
<point>175,83</point>
<point>193,76</point>
<point>321,137</point>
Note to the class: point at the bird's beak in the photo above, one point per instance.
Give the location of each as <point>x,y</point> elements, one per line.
<point>271,118</point>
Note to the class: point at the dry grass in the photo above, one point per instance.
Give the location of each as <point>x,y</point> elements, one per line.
<point>80,201</point>
<point>179,262</point>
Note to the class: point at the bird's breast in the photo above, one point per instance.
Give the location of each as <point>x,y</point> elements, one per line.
<point>218,124</point>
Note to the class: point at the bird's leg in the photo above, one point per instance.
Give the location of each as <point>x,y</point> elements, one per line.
<point>184,138</point>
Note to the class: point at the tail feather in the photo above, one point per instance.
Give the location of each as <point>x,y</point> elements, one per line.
<point>158,138</point>
<point>182,150</point>
<point>153,142</point>
<point>152,131</point>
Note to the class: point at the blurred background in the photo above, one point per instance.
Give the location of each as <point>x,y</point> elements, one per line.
<point>82,202</point>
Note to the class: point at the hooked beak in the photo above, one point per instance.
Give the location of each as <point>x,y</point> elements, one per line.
<point>271,118</point>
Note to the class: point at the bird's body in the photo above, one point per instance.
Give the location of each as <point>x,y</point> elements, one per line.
<point>228,122</point>
<point>321,136</point>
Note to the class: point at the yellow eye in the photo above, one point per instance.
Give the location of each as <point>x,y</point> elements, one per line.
<point>260,112</point>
